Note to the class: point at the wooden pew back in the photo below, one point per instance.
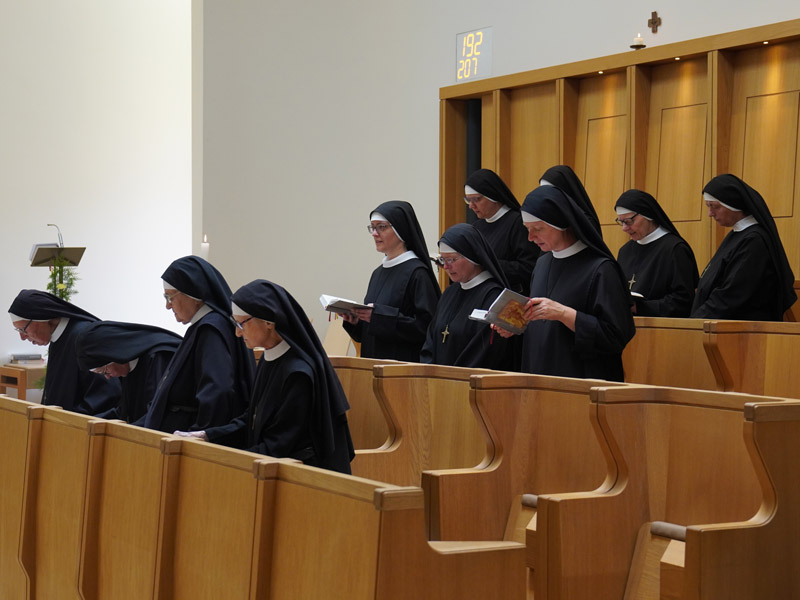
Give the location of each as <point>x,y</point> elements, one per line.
<point>433,424</point>
<point>678,456</point>
<point>368,426</point>
<point>668,352</point>
<point>543,442</point>
<point>755,357</point>
<point>55,481</point>
<point>206,529</point>
<point>326,535</point>
<point>13,449</point>
<point>121,517</point>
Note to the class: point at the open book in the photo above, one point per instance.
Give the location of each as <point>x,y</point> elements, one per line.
<point>506,312</point>
<point>339,305</point>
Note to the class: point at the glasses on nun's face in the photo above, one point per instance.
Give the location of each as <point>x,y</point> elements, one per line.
<point>441,261</point>
<point>23,330</point>
<point>170,297</point>
<point>629,221</point>
<point>379,228</point>
<point>240,324</point>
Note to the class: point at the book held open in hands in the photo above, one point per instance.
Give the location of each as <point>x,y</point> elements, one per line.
<point>340,305</point>
<point>506,312</point>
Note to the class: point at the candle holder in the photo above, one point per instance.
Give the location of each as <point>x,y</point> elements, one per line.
<point>638,42</point>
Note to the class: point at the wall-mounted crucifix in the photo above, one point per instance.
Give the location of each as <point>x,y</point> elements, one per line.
<point>655,22</point>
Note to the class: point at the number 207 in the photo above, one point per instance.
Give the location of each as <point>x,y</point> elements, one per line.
<point>468,65</point>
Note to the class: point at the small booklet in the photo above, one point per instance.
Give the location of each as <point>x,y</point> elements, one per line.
<point>339,305</point>
<point>506,312</point>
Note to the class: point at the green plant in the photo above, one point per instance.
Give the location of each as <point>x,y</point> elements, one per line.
<point>62,279</point>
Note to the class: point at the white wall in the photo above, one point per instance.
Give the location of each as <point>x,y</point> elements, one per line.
<point>95,136</point>
<point>316,112</point>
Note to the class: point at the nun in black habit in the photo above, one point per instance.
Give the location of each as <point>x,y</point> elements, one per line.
<point>402,292</point>
<point>498,221</point>
<point>137,354</point>
<point>44,319</point>
<point>564,178</point>
<point>749,276</point>
<point>209,379</point>
<point>579,312</point>
<point>453,339</point>
<point>658,263</point>
<point>298,408</point>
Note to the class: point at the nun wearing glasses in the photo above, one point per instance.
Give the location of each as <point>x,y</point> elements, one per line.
<point>497,210</point>
<point>477,279</point>
<point>402,292</point>
<point>297,408</point>
<point>658,263</point>
<point>208,381</point>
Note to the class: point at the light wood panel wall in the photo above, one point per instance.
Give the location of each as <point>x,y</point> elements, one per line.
<point>644,119</point>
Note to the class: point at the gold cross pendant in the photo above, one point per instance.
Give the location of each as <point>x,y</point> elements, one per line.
<point>445,333</point>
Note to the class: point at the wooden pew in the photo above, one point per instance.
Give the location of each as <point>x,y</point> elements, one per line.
<point>432,423</point>
<point>206,527</point>
<point>327,535</point>
<point>543,441</point>
<point>119,539</point>
<point>676,456</point>
<point>668,352</point>
<point>13,449</point>
<point>755,357</point>
<point>53,495</point>
<point>757,558</point>
<point>368,426</point>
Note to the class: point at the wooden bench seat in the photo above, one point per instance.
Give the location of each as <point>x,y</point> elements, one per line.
<point>431,423</point>
<point>668,352</point>
<point>13,450</point>
<point>53,496</point>
<point>542,441</point>
<point>368,426</point>
<point>327,535</point>
<point>119,540</point>
<point>755,357</point>
<point>676,456</point>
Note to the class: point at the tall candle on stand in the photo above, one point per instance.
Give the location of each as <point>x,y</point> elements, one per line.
<point>204,247</point>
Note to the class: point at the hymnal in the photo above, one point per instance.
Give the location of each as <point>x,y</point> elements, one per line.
<point>340,305</point>
<point>506,312</point>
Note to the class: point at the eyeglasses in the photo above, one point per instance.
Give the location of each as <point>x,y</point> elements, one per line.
<point>628,221</point>
<point>24,329</point>
<point>169,297</point>
<point>445,261</point>
<point>240,324</point>
<point>380,227</point>
<point>476,198</point>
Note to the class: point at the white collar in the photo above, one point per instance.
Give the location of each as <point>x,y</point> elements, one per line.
<point>476,281</point>
<point>657,233</point>
<point>500,212</point>
<point>388,263</point>
<point>132,365</point>
<point>201,312</point>
<point>276,352</point>
<point>571,251</point>
<point>62,325</point>
<point>744,223</point>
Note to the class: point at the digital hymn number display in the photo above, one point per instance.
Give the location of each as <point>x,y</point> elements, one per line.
<point>474,54</point>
